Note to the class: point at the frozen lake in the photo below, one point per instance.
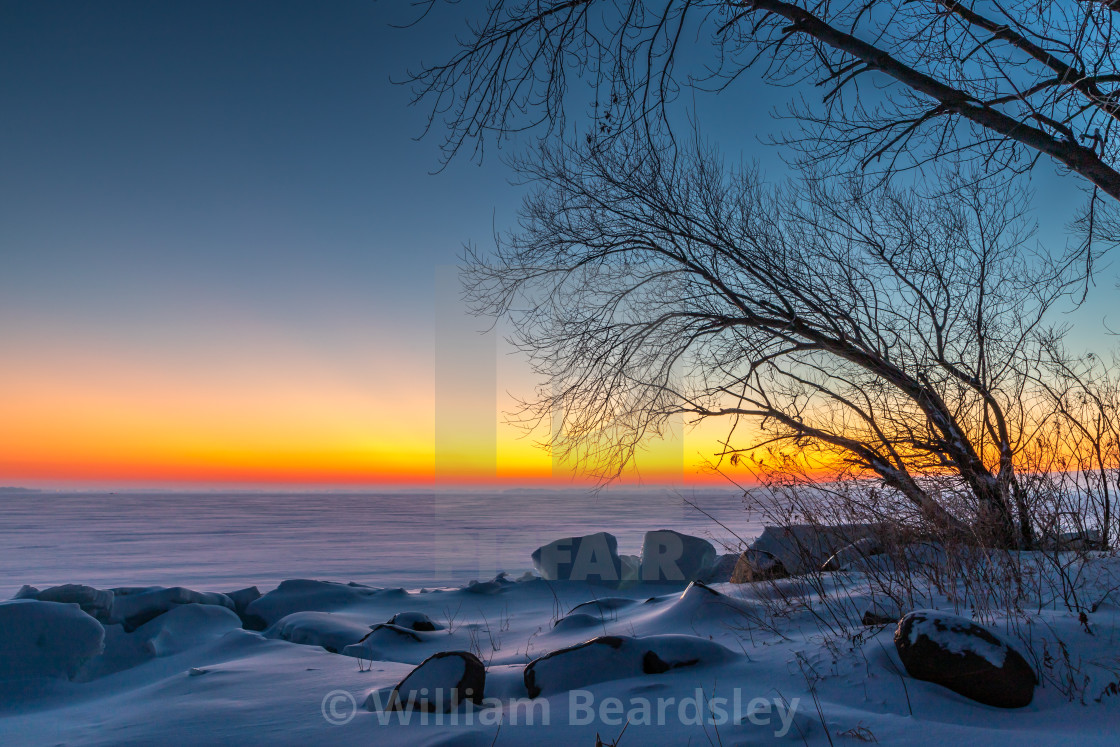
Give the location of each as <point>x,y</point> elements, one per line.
<point>218,541</point>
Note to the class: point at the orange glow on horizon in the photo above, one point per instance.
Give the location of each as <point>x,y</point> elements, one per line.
<point>273,415</point>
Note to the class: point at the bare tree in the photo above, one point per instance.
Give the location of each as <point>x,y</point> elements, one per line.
<point>888,334</point>
<point>892,333</point>
<point>902,81</point>
<point>1077,452</point>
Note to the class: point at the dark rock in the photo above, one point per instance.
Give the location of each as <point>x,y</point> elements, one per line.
<point>968,659</point>
<point>757,565</point>
<point>403,632</point>
<point>251,621</point>
<point>578,655</point>
<point>672,557</point>
<point>881,611</point>
<point>440,683</point>
<point>593,558</point>
<point>414,621</point>
<point>874,618</point>
<point>654,664</point>
<point>612,657</point>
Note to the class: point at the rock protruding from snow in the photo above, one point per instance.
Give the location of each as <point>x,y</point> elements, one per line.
<point>440,683</point>
<point>300,595</point>
<point>333,632</point>
<point>592,558</point>
<point>881,612</point>
<point>27,591</point>
<point>723,569</point>
<point>613,657</point>
<point>968,659</point>
<point>242,598</point>
<point>672,557</point>
<point>414,621</point>
<point>757,565</point>
<point>134,606</point>
<point>845,556</point>
<point>46,639</point>
<point>803,548</point>
<point>96,603</point>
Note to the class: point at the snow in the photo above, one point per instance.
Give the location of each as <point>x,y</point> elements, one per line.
<point>46,639</point>
<point>96,602</point>
<point>135,606</point>
<point>332,632</point>
<point>766,663</point>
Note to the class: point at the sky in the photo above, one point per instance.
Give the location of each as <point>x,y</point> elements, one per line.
<point>225,259</point>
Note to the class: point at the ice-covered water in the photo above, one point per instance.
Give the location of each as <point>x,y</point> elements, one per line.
<point>213,541</point>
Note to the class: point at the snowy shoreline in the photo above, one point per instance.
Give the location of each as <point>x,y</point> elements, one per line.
<point>563,661</point>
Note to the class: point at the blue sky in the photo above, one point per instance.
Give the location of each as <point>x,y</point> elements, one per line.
<point>198,190</point>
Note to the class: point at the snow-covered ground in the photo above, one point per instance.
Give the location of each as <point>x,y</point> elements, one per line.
<point>743,664</point>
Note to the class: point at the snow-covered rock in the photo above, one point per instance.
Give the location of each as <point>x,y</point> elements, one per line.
<point>593,558</point>
<point>392,642</point>
<point>577,621</point>
<point>669,556</point>
<point>97,603</point>
<point>46,639</point>
<point>242,598</point>
<point>300,595</point>
<point>845,556</point>
<point>134,606</point>
<point>27,591</point>
<point>965,657</point>
<point>186,626</point>
<point>440,683</point>
<point>612,657</point>
<point>333,632</point>
<point>803,548</point>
